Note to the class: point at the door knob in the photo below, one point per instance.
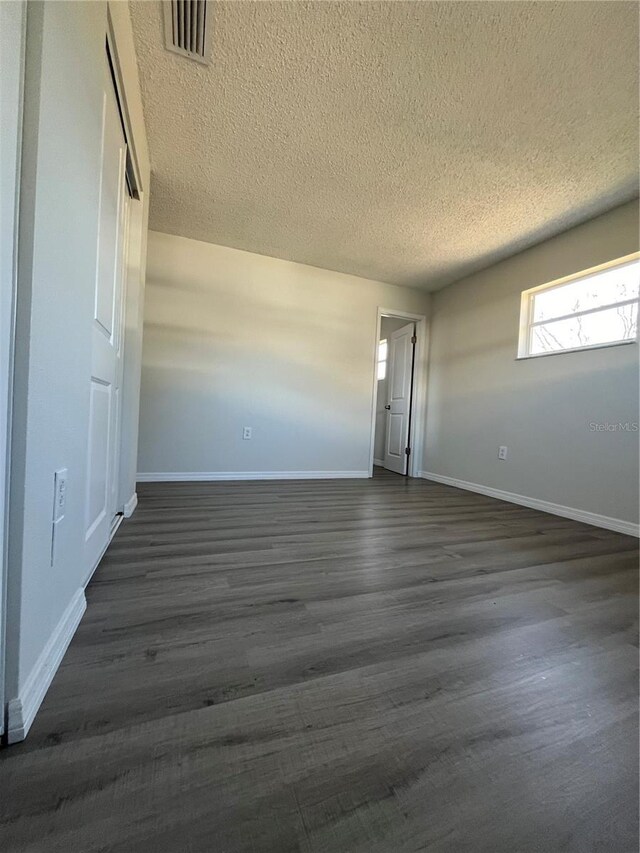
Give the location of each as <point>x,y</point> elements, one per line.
<point>387,407</point>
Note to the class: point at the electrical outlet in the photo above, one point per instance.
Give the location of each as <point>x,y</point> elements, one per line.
<point>502,452</point>
<point>247,433</point>
<point>60,494</point>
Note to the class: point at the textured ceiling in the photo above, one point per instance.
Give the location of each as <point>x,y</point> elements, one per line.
<point>407,142</point>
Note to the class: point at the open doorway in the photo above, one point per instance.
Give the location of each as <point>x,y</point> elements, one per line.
<point>397,410</point>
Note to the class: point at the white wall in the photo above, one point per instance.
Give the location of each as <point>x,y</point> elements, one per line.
<point>56,271</point>
<point>387,326</point>
<point>481,397</point>
<point>234,339</point>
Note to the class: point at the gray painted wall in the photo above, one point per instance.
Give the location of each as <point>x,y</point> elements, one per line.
<point>480,397</point>
<point>235,339</point>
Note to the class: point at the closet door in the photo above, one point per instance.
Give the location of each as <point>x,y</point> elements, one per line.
<point>106,331</point>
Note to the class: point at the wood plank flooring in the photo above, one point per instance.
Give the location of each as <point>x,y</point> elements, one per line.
<point>340,667</point>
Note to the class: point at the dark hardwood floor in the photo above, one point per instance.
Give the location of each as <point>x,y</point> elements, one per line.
<point>364,666</point>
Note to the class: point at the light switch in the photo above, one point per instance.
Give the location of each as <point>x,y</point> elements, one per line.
<point>60,494</point>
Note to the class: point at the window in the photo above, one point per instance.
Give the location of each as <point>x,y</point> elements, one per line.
<point>382,359</point>
<point>594,308</point>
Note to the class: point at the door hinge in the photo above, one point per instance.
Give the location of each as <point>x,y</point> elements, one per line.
<point>407,451</point>
<point>414,339</point>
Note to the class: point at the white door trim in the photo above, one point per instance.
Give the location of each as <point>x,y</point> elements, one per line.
<point>121,97</point>
<point>120,50</point>
<point>12,97</point>
<point>418,416</point>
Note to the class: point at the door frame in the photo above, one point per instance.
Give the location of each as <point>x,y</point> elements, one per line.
<point>8,296</point>
<point>133,285</point>
<point>133,237</point>
<point>418,391</point>
<point>111,345</point>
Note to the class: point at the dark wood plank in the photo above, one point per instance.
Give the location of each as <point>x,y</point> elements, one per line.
<point>340,666</point>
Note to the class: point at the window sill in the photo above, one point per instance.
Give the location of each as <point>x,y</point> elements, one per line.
<point>575,349</point>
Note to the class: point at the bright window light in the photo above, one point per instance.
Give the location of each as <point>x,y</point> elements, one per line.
<point>594,308</point>
<point>382,359</point>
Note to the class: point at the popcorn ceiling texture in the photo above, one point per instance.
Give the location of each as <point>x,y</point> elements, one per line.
<point>406,142</point>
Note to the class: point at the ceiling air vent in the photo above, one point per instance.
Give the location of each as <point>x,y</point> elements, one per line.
<point>186,28</point>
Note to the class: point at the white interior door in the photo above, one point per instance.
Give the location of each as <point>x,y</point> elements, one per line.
<point>400,363</point>
<point>106,357</point>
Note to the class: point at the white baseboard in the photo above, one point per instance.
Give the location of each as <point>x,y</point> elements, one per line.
<point>22,710</point>
<point>379,462</point>
<point>617,524</point>
<point>131,504</point>
<point>206,476</point>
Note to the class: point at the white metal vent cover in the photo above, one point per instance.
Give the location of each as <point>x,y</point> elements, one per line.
<point>186,28</point>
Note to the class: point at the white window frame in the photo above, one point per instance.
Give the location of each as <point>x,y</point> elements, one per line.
<point>526,310</point>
